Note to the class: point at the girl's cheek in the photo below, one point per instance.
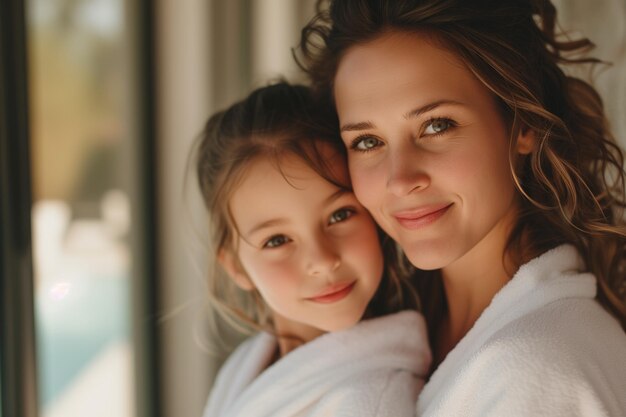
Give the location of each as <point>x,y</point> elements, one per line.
<point>367,186</point>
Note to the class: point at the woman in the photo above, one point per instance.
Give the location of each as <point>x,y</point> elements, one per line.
<point>497,175</point>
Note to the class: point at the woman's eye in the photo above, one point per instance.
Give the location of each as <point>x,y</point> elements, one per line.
<point>276,241</point>
<point>340,215</point>
<point>436,126</point>
<point>365,143</point>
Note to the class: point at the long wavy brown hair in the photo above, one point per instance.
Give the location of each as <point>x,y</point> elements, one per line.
<point>272,122</point>
<point>572,186</point>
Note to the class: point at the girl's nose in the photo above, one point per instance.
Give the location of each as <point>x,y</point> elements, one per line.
<point>322,258</point>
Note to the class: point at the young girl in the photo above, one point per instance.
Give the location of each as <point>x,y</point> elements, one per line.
<point>498,176</point>
<point>291,236</point>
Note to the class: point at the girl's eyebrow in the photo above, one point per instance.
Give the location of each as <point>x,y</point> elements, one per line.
<point>351,127</point>
<point>278,221</point>
<point>334,196</point>
<point>265,225</point>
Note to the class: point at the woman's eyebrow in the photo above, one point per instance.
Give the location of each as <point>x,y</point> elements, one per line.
<point>411,114</point>
<point>356,126</point>
<point>430,106</point>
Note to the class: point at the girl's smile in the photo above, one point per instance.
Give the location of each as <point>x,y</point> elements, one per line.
<point>333,293</point>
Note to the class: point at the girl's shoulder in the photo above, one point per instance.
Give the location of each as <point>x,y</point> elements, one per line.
<point>239,370</point>
<point>251,355</point>
<point>404,333</point>
<point>411,320</point>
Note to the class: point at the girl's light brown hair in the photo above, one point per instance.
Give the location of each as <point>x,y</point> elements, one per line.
<point>572,186</point>
<point>272,122</point>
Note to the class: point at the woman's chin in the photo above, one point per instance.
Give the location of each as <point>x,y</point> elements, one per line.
<point>428,256</point>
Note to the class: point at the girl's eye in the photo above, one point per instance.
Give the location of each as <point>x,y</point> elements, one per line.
<point>341,215</point>
<point>437,126</point>
<point>276,241</point>
<point>365,143</point>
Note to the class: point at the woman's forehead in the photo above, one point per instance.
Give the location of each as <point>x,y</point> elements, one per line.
<point>401,71</point>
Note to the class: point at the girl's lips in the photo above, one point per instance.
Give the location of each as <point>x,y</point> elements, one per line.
<point>333,293</point>
<point>421,217</point>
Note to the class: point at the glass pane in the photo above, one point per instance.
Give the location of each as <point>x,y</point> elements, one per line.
<point>82,228</point>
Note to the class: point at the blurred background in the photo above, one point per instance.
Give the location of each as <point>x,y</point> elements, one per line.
<point>109,315</point>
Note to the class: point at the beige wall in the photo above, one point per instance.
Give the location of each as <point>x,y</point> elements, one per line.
<point>604,23</point>
<point>183,97</point>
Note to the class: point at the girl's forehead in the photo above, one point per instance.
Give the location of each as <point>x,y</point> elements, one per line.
<point>290,192</point>
<point>323,158</point>
<point>322,162</point>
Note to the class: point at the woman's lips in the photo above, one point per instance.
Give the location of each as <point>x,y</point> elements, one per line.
<point>422,216</point>
<point>333,293</point>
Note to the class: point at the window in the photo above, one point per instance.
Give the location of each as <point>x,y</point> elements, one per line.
<point>77,249</point>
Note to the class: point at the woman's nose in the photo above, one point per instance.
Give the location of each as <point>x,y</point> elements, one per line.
<point>406,173</point>
<point>322,258</point>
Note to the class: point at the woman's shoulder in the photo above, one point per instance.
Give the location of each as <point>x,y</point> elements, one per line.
<point>568,329</point>
<point>549,313</point>
<point>560,359</point>
<point>570,353</point>
<point>573,339</point>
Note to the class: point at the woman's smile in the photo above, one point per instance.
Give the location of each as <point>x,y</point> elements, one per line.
<point>420,217</point>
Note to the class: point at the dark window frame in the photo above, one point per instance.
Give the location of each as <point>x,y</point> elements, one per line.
<point>18,370</point>
<point>17,355</point>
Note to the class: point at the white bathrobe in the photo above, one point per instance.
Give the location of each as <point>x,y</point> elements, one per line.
<point>375,368</point>
<point>543,347</point>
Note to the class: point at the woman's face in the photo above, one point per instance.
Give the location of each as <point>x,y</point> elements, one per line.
<point>428,149</point>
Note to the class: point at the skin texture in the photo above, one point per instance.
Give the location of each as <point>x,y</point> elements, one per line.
<point>301,237</point>
<point>428,155</point>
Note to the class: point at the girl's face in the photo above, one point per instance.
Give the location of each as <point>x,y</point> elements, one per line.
<point>308,247</point>
<point>428,149</point>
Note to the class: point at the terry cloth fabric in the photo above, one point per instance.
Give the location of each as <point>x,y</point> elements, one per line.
<point>543,347</point>
<point>375,368</point>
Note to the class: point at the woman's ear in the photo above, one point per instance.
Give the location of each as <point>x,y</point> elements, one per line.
<point>526,141</point>
<point>231,265</point>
